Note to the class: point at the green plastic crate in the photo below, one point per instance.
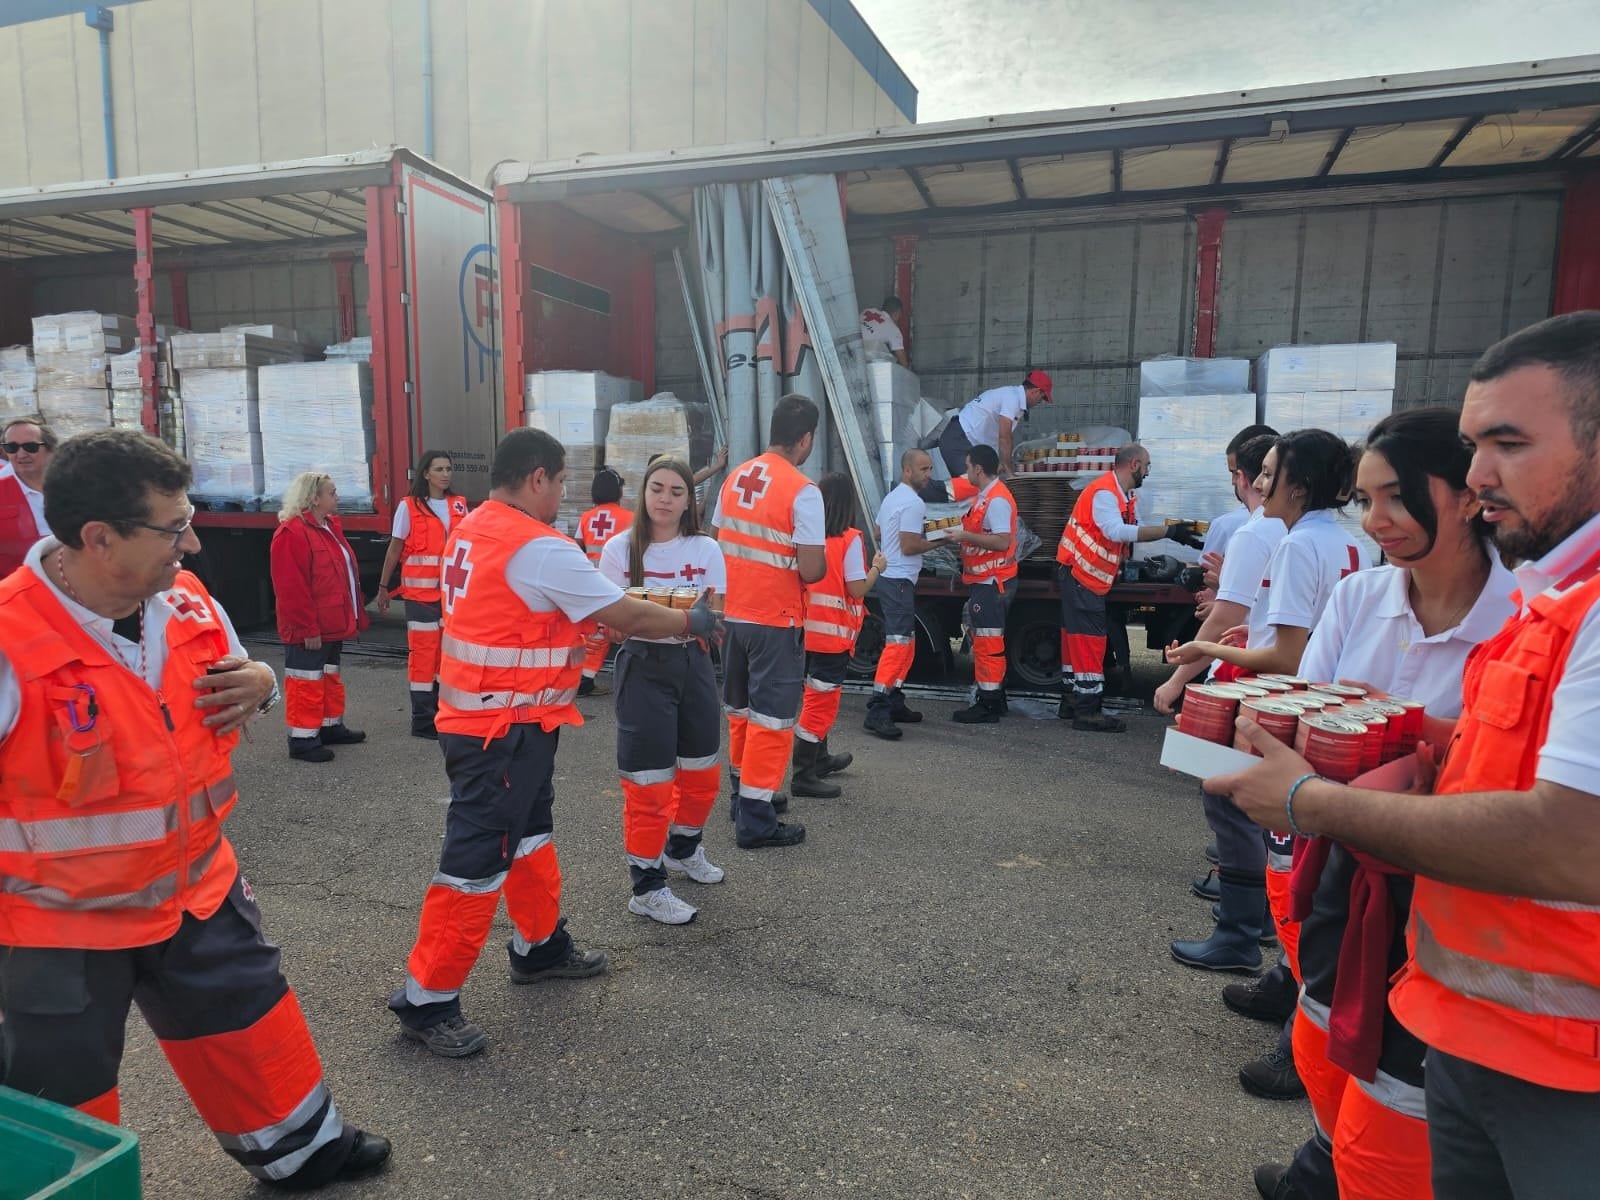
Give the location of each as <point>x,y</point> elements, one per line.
<point>50,1151</point>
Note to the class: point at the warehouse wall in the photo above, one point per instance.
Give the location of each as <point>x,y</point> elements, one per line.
<point>1442,278</point>
<point>200,83</point>
<point>1087,302</point>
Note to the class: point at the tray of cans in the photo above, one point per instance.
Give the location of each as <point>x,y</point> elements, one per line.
<point>1068,456</point>
<point>673,597</point>
<point>938,529</point>
<point>1342,730</point>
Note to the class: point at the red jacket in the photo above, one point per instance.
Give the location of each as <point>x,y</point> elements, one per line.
<point>311,577</point>
<point>18,532</point>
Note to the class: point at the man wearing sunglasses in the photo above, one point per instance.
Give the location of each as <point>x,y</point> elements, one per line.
<point>28,446</point>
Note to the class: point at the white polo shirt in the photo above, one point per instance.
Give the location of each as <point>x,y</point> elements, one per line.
<point>1107,512</point>
<point>1244,566</point>
<point>1310,559</point>
<point>980,419</point>
<point>1223,528</point>
<point>1571,752</point>
<point>1368,632</point>
<point>902,510</point>
<point>695,562</point>
<point>552,574</point>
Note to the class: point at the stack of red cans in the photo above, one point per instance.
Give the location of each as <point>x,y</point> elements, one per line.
<point>1342,730</point>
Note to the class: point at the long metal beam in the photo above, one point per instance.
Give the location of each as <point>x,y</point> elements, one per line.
<point>1339,143</point>
<point>922,187</point>
<point>1456,138</point>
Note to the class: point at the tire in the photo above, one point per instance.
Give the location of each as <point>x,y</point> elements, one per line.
<point>1033,645</point>
<point>933,645</point>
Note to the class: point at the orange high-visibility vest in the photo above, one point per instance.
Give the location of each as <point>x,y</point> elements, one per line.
<point>1093,557</point>
<point>424,548</point>
<point>833,615</point>
<point>599,525</point>
<point>1509,983</point>
<point>989,566</point>
<point>501,664</point>
<point>756,532</point>
<point>109,834</point>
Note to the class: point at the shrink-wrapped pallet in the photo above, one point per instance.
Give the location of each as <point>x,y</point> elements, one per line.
<point>574,407</point>
<point>19,383</point>
<point>221,424</point>
<point>318,417</point>
<point>1194,377</point>
<point>89,333</point>
<point>662,424</point>
<point>1187,437</point>
<point>236,347</point>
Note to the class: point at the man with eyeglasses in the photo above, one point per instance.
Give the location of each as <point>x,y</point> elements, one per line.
<point>122,690</point>
<point>28,445</point>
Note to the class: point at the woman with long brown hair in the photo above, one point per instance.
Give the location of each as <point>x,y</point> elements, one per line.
<point>669,710</point>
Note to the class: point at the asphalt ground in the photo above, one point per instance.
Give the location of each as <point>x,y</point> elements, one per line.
<point>958,986</point>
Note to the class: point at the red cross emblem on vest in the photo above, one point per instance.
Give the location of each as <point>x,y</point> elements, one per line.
<point>456,575</point>
<point>752,485</point>
<point>187,606</point>
<point>600,526</point>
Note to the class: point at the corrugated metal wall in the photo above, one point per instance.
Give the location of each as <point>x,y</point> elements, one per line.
<point>301,295</point>
<point>1442,278</point>
<point>1087,302</point>
<point>200,83</point>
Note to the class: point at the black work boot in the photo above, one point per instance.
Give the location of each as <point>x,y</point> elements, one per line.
<point>1091,717</point>
<point>309,749</point>
<point>828,763</point>
<point>901,713</point>
<point>880,721</point>
<point>984,711</point>
<point>1270,998</point>
<point>805,782</point>
<point>1272,1076</point>
<point>341,735</point>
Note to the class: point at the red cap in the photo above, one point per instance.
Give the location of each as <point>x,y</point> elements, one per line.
<point>1040,380</point>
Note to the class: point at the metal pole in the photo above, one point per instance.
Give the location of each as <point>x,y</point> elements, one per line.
<point>100,19</point>
<point>427,79</point>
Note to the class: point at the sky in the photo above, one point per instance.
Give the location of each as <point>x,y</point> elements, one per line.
<point>971,58</point>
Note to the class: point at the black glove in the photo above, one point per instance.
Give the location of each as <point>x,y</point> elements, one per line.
<point>1185,534</point>
<point>705,622</point>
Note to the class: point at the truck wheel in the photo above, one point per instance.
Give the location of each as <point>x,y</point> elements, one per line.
<point>933,645</point>
<point>869,647</point>
<point>1033,645</point>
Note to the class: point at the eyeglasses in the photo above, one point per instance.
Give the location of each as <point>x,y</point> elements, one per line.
<point>175,534</point>
<point>29,447</point>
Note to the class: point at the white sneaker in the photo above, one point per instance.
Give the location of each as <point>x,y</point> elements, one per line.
<point>697,867</point>
<point>661,905</point>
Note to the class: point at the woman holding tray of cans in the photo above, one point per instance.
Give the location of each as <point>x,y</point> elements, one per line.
<point>1304,478</point>
<point>669,709</point>
<point>1403,629</point>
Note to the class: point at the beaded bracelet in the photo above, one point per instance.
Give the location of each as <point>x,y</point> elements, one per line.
<point>1288,805</point>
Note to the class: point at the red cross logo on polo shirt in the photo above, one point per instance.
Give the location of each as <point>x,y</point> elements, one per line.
<point>600,526</point>
<point>752,485</point>
<point>1355,562</point>
<point>690,571</point>
<point>188,607</point>
<point>457,574</point>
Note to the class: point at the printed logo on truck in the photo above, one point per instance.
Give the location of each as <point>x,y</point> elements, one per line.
<point>478,287</point>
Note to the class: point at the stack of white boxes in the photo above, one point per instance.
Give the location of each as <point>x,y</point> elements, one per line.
<point>127,389</point>
<point>1189,410</point>
<point>71,352</point>
<point>318,417</point>
<point>663,424</point>
<point>222,432</point>
<point>896,397</point>
<point>220,390</point>
<point>574,407</point>
<point>1344,389</point>
<point>19,383</point>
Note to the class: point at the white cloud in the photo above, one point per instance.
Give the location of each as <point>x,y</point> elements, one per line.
<point>973,58</point>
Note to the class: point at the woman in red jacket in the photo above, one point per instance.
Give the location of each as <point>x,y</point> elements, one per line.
<point>319,605</point>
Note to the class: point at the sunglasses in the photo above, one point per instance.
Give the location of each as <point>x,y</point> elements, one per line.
<point>29,447</point>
